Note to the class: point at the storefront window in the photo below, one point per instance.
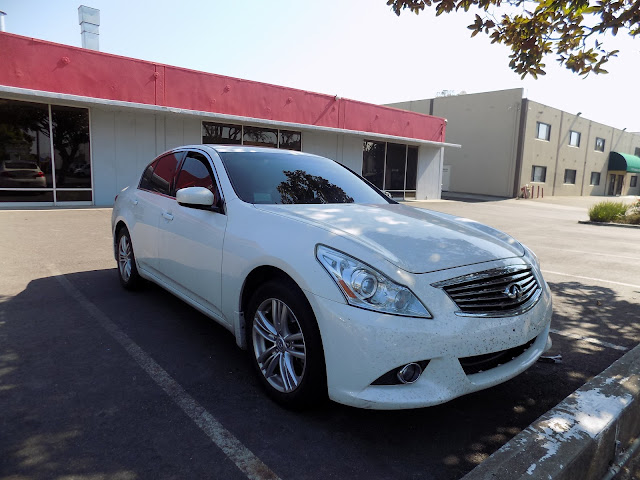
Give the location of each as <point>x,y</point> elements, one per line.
<point>71,144</point>
<point>25,149</point>
<point>229,134</point>
<point>221,133</point>
<point>260,137</point>
<point>391,167</point>
<point>290,140</point>
<point>396,167</point>
<point>26,173</point>
<point>373,163</point>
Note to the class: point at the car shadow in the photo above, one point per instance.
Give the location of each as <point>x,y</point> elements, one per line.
<point>75,403</point>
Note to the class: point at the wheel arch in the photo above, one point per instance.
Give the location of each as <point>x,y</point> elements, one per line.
<point>120,224</point>
<point>255,278</point>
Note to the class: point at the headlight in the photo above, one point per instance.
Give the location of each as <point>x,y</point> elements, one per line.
<point>365,287</point>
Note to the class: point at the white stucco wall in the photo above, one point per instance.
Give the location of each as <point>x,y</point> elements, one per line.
<point>428,185</point>
<point>125,141</point>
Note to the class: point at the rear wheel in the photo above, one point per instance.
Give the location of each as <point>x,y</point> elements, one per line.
<point>285,345</point>
<point>127,270</point>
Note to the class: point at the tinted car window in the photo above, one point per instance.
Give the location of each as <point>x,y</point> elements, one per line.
<point>163,174</point>
<point>265,177</point>
<point>145,181</point>
<point>195,172</point>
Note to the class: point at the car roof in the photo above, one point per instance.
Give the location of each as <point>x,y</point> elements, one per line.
<point>241,148</point>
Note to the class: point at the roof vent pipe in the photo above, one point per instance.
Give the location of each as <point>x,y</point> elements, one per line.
<point>89,20</point>
<point>2,15</point>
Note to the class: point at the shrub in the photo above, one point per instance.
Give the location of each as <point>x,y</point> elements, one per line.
<point>607,211</point>
<point>631,218</point>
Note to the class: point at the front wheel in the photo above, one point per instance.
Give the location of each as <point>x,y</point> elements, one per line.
<point>285,345</point>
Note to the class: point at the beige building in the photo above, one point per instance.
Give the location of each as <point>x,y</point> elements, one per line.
<point>509,142</point>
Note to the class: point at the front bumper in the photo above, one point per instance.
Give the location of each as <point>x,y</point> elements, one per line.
<point>361,345</point>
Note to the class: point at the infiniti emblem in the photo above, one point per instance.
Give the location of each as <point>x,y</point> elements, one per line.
<point>513,291</point>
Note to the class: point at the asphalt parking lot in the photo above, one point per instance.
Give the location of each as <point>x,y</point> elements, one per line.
<point>100,383</point>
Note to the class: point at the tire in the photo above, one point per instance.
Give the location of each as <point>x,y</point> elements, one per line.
<point>287,356</point>
<point>127,270</point>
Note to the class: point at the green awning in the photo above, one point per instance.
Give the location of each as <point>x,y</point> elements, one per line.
<point>624,162</point>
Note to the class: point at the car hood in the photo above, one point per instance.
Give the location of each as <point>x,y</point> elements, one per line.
<point>415,240</point>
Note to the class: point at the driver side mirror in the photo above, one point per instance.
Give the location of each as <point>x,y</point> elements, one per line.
<point>197,197</point>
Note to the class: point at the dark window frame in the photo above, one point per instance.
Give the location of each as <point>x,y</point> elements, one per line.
<point>533,174</point>
<point>595,175</point>
<point>601,141</point>
<point>548,136</point>
<point>567,176</point>
<point>579,137</point>
<point>633,181</point>
<point>67,170</point>
<point>410,178</point>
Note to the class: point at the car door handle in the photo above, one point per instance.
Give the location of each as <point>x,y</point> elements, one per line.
<point>167,215</point>
<point>134,202</point>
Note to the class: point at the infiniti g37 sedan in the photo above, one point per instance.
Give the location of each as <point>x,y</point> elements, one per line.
<point>333,288</point>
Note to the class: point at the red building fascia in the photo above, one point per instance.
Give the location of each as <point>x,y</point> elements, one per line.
<point>33,64</point>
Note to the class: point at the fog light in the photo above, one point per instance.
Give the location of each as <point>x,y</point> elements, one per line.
<point>409,373</point>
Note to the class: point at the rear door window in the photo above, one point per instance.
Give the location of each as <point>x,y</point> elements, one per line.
<point>165,169</point>
<point>145,181</point>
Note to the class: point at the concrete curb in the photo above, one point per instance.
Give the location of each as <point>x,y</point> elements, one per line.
<point>579,438</point>
<point>608,224</point>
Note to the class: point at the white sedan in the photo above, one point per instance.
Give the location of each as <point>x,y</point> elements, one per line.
<point>332,287</point>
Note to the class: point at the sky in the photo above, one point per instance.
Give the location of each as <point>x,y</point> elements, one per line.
<point>356,49</point>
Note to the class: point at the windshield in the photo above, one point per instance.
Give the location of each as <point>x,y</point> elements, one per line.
<point>285,178</point>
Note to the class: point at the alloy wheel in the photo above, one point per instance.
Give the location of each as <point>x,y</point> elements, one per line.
<point>278,345</point>
<point>124,257</point>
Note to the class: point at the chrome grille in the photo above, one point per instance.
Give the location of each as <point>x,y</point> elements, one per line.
<point>501,291</point>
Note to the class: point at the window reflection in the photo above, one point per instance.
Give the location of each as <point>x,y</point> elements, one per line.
<point>229,134</point>
<point>373,163</point>
<point>290,140</point>
<point>395,169</point>
<point>302,187</point>
<point>392,167</point>
<point>260,137</point>
<point>71,144</point>
<point>163,173</point>
<point>221,133</point>
<point>280,178</point>
<point>26,158</point>
<point>25,152</point>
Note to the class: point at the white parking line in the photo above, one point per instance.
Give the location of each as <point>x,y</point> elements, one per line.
<point>244,459</point>
<point>589,339</point>
<point>599,280</point>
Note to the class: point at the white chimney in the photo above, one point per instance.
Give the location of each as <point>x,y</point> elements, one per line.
<point>2,15</point>
<point>89,20</point>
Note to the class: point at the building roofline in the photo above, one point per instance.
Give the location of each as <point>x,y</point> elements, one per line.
<point>43,66</point>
